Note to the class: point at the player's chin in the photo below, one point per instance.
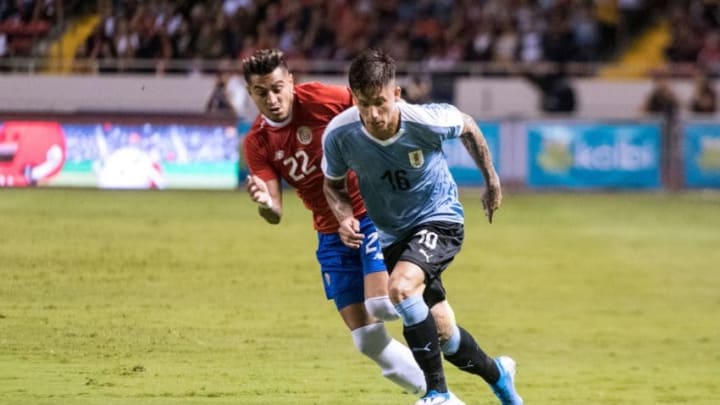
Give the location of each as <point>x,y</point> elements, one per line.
<point>278,116</point>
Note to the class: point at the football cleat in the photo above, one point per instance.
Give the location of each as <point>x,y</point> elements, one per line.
<point>504,388</point>
<point>439,398</point>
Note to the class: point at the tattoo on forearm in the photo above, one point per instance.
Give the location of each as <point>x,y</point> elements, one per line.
<point>338,198</point>
<point>476,145</point>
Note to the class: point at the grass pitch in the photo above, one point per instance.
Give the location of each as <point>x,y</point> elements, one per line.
<point>190,298</point>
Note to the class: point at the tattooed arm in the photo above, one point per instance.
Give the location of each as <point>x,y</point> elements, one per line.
<point>476,145</point>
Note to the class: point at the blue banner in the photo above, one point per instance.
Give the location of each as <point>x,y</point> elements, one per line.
<point>242,129</point>
<point>701,153</point>
<point>582,155</point>
<point>462,166</point>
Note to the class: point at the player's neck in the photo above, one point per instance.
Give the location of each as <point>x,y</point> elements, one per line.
<point>278,124</point>
<point>392,131</point>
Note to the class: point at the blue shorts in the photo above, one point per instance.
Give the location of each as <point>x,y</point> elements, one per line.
<point>343,269</point>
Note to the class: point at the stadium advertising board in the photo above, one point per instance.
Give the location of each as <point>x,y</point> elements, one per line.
<point>589,155</point>
<point>701,153</point>
<point>105,155</point>
<point>462,167</point>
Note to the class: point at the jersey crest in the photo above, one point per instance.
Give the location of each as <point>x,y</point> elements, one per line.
<point>304,135</point>
<point>416,158</point>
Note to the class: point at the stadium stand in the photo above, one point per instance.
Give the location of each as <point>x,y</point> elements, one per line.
<point>442,34</point>
<point>493,37</point>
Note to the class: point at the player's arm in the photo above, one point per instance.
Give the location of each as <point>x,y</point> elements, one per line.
<point>268,196</point>
<point>474,142</point>
<point>338,198</point>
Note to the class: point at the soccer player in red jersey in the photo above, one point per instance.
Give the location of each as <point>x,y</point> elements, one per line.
<point>284,142</point>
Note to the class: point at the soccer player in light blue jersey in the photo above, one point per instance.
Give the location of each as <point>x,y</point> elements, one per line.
<point>395,150</point>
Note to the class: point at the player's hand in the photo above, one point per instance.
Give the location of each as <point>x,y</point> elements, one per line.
<point>491,199</point>
<point>349,232</point>
<point>258,191</point>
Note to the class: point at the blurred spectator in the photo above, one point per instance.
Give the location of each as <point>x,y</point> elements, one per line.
<point>709,55</point>
<point>704,99</point>
<point>417,89</point>
<point>608,18</point>
<point>557,94</point>
<point>558,42</point>
<point>694,35</point>
<point>219,101</point>
<point>662,99</point>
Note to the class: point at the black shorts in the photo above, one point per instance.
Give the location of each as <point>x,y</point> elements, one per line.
<point>432,246</point>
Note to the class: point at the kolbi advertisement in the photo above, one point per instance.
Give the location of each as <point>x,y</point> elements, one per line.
<point>702,154</point>
<point>589,155</point>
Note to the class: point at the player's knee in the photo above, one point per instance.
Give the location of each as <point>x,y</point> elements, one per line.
<point>381,308</point>
<point>406,282</point>
<point>370,340</point>
<point>401,290</point>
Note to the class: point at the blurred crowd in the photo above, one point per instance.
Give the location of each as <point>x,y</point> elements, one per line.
<point>28,26</point>
<point>695,35</point>
<point>441,33</point>
<point>22,23</point>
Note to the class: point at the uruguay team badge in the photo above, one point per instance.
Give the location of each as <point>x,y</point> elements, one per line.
<point>304,135</point>
<point>416,158</point>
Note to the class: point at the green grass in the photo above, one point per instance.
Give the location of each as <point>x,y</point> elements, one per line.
<point>190,298</point>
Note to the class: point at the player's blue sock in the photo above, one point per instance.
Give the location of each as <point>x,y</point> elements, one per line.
<point>412,310</point>
<point>452,345</point>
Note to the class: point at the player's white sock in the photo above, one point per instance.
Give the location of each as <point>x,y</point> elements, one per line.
<point>381,308</point>
<point>395,359</point>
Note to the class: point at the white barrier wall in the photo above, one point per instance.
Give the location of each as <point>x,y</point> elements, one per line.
<point>484,98</point>
<point>104,93</point>
<point>596,98</point>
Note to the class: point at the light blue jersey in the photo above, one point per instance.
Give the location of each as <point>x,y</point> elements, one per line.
<point>404,180</point>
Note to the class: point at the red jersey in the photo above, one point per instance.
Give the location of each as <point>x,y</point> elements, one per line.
<point>292,151</point>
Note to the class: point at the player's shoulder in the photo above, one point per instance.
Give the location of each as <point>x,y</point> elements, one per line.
<point>345,119</point>
<point>316,92</point>
<point>256,132</point>
<point>431,113</point>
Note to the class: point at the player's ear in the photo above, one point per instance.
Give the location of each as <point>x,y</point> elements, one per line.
<point>398,93</point>
<point>291,80</point>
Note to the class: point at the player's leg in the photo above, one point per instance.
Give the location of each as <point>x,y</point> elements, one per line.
<point>415,285</point>
<point>344,285</point>
<point>376,277</point>
<point>461,349</point>
<point>406,291</point>
<point>372,339</point>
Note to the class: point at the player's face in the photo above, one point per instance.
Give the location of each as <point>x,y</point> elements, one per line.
<point>378,110</point>
<point>273,94</point>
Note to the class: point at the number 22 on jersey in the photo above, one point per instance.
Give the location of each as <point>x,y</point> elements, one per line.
<point>299,165</point>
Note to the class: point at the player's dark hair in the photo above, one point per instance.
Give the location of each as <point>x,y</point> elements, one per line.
<point>263,62</point>
<point>370,70</point>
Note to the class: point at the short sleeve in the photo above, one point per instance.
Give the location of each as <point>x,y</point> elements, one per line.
<point>256,158</point>
<point>446,116</point>
<point>333,164</point>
